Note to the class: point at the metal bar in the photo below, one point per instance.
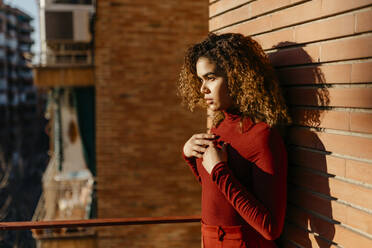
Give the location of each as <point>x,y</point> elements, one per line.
<point>27,225</point>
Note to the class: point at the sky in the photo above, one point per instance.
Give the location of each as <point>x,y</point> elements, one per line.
<point>31,8</point>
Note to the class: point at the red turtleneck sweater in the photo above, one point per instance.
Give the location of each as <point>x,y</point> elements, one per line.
<point>250,188</point>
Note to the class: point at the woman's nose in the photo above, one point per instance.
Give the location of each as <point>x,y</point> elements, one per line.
<point>203,89</point>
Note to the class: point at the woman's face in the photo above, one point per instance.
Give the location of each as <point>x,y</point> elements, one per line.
<point>214,85</point>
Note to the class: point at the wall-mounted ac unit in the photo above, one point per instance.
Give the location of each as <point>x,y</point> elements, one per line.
<point>68,25</point>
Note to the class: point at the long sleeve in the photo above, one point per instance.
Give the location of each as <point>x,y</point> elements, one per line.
<point>262,206</point>
<point>192,164</point>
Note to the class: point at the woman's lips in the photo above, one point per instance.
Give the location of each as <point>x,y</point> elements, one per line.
<point>209,101</point>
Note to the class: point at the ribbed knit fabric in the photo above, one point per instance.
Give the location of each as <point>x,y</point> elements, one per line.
<point>250,189</point>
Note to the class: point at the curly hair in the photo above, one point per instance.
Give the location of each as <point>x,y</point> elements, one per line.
<point>251,80</point>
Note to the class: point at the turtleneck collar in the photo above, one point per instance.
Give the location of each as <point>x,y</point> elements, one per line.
<point>231,115</point>
<point>234,116</point>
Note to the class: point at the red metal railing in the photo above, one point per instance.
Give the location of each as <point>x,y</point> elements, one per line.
<point>28,225</point>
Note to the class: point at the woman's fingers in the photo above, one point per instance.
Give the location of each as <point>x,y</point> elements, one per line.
<point>197,154</point>
<point>203,142</point>
<point>204,136</point>
<point>197,144</point>
<point>199,149</point>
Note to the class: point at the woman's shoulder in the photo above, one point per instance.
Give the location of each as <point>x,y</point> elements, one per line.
<point>251,128</point>
<point>261,135</point>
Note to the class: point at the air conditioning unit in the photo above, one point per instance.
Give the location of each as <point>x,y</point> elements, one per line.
<point>73,25</point>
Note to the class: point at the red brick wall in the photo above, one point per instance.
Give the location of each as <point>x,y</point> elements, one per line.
<point>141,126</point>
<point>322,51</point>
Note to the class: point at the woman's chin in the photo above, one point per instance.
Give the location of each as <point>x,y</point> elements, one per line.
<point>214,108</point>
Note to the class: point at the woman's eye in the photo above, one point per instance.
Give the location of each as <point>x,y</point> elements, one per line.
<point>211,78</point>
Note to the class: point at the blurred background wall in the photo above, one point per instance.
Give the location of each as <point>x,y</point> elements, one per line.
<point>141,126</point>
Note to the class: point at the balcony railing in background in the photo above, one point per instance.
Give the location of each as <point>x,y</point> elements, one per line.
<point>29,225</point>
<point>72,58</point>
<point>73,1</point>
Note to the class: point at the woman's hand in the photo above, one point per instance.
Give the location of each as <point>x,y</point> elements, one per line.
<point>214,155</point>
<point>197,144</point>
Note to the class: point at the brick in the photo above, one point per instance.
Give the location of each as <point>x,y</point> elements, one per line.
<point>361,72</point>
<point>261,24</point>
<point>360,122</point>
<point>330,7</point>
<point>339,73</point>
<point>327,74</point>
<point>338,97</point>
<point>298,234</point>
<point>329,186</point>
<point>317,161</point>
<point>230,17</point>
<point>251,10</point>
<point>364,21</point>
<point>325,29</point>
<point>277,39</point>
<point>348,238</point>
<point>327,119</point>
<point>297,55</point>
<point>338,234</point>
<point>304,12</point>
<point>332,209</point>
<point>307,11</point>
<point>326,207</point>
<point>262,7</point>
<point>353,97</point>
<point>356,146</point>
<point>359,171</point>
<point>359,220</point>
<point>225,5</point>
<point>351,48</point>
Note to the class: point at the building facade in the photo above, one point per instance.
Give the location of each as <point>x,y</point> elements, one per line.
<point>65,71</point>
<point>141,126</point>
<point>23,143</point>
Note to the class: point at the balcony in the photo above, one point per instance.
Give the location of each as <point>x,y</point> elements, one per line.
<point>12,20</point>
<point>2,39</point>
<point>26,27</point>
<point>65,67</point>
<point>2,54</point>
<point>13,59</point>
<point>25,39</point>
<point>12,43</point>
<point>27,75</point>
<point>3,84</point>
<point>3,98</point>
<point>25,48</point>
<point>55,76</point>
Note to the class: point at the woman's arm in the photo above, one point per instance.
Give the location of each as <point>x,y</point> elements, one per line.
<point>263,206</point>
<point>191,161</point>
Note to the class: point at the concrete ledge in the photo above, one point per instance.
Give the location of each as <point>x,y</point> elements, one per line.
<point>45,76</point>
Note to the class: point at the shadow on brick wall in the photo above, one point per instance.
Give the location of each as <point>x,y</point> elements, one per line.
<point>309,208</point>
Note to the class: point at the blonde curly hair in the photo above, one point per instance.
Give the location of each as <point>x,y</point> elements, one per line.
<point>251,80</point>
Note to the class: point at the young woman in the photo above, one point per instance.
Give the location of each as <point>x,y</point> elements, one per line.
<point>242,163</point>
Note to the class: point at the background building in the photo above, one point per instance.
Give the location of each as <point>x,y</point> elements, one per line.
<point>66,72</point>
<point>23,143</point>
<point>141,126</point>
<point>322,53</point>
